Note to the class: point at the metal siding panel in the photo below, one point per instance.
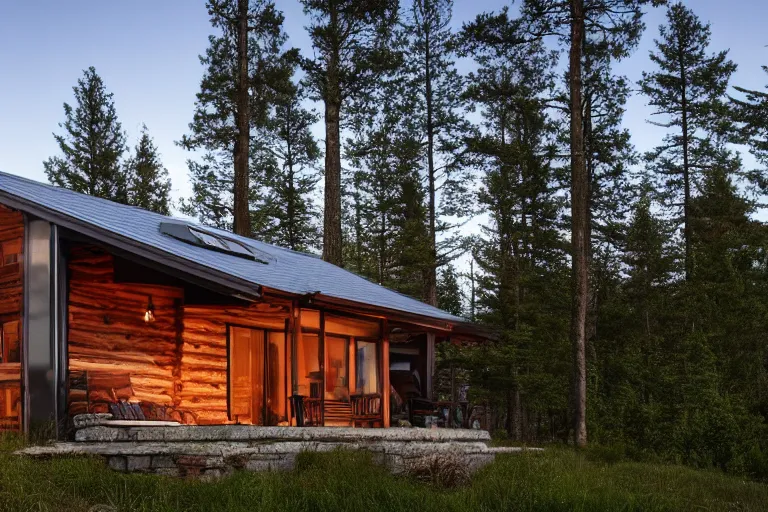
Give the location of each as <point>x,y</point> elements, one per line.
<point>40,350</point>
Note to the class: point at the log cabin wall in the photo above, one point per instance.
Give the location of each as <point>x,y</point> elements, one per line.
<point>11,304</point>
<point>203,389</point>
<point>114,355</point>
<point>175,367</point>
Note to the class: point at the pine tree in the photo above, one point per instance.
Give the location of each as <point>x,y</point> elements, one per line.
<point>288,206</point>
<point>521,254</point>
<point>228,129</point>
<point>689,90</point>
<point>449,296</point>
<point>752,114</point>
<point>608,152</point>
<point>92,145</point>
<point>442,126</point>
<point>350,41</point>
<point>375,191</point>
<point>149,186</point>
<point>633,359</point>
<point>388,217</point>
<point>619,24</point>
<point>608,156</point>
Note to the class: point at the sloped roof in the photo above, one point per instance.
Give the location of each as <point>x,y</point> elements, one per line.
<point>137,229</point>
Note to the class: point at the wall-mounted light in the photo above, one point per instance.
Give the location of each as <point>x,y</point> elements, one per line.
<point>149,314</point>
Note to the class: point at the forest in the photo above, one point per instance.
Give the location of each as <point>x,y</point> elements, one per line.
<point>627,291</point>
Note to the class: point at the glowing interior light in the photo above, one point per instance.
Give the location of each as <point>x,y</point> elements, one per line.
<point>149,314</point>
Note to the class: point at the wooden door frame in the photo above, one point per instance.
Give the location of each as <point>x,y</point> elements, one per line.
<point>265,369</point>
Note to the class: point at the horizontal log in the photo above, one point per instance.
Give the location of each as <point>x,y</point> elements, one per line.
<point>215,351</point>
<point>128,360</point>
<point>191,374</point>
<point>89,335</point>
<point>82,364</point>
<point>129,291</point>
<point>202,404</point>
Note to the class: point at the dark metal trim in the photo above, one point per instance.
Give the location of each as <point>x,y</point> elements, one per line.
<point>41,353</point>
<point>60,295</point>
<point>24,316</point>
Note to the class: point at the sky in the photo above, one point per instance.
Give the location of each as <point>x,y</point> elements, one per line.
<point>147,52</point>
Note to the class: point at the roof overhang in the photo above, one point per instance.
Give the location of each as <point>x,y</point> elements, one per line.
<point>238,286</point>
<point>463,329</point>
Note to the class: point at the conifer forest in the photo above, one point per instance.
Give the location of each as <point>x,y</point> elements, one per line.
<point>482,165</point>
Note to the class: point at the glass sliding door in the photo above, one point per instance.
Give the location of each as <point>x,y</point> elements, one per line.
<point>367,366</point>
<point>336,368</point>
<point>277,396</point>
<point>309,377</point>
<point>246,378</point>
<point>257,377</point>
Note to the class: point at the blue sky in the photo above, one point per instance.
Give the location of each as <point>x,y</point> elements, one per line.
<point>147,53</point>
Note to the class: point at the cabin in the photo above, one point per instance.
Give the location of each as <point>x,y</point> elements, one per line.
<point>107,308</point>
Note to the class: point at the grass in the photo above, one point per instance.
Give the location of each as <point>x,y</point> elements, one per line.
<point>558,479</point>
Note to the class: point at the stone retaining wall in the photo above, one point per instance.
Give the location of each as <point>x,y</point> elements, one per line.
<point>215,451</point>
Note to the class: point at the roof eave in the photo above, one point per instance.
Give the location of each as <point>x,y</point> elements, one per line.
<point>241,286</point>
<point>448,327</point>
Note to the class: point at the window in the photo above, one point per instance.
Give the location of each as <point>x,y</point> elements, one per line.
<point>210,240</point>
<point>367,381</point>
<point>309,378</point>
<point>11,252</point>
<point>336,368</point>
<point>197,236</point>
<point>9,343</point>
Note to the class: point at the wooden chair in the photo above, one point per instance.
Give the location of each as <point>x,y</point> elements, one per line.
<point>366,410</point>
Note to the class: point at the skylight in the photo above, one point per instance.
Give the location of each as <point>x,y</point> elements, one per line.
<point>202,238</point>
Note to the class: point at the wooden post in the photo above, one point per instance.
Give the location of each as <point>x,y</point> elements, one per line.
<point>430,365</point>
<point>295,330</point>
<point>453,396</point>
<point>385,386</point>
<point>352,367</point>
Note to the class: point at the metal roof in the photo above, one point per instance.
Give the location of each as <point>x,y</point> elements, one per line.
<point>137,230</point>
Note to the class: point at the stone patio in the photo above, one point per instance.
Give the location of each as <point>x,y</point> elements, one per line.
<point>215,451</point>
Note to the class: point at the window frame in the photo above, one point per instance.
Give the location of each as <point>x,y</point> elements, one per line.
<point>378,347</point>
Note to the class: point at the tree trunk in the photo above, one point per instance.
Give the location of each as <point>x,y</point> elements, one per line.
<point>291,219</point>
<point>242,220</point>
<point>686,169</point>
<point>430,286</point>
<point>579,229</point>
<point>332,216</point>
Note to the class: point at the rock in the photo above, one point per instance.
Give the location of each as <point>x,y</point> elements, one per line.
<point>89,420</point>
<point>138,463</point>
<point>117,463</point>
<point>162,462</point>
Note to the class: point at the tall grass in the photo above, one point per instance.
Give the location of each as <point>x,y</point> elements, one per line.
<point>557,480</point>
